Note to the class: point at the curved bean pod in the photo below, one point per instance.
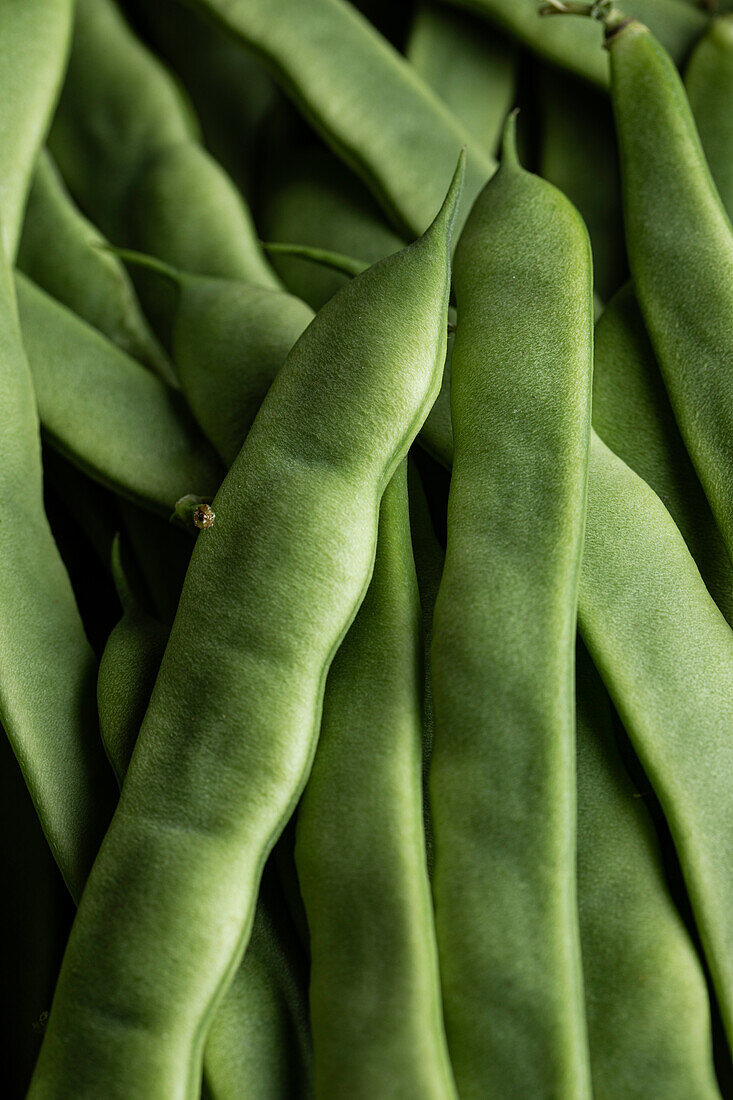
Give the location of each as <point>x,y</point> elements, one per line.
<point>471,67</point>
<point>149,448</point>
<point>709,87</point>
<point>228,740</point>
<point>375,993</point>
<point>92,282</point>
<point>646,996</point>
<point>53,732</point>
<point>365,100</point>
<point>258,1044</point>
<point>632,414</point>
<point>34,41</point>
<point>574,44</point>
<point>504,879</point>
<point>680,246</point>
<point>665,653</point>
<point>228,341</point>
<point>124,138</point>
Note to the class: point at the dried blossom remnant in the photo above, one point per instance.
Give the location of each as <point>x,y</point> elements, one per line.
<point>204,517</point>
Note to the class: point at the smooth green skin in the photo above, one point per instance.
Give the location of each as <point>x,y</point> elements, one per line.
<point>575,44</point>
<point>228,740</point>
<point>665,653</point>
<point>108,414</point>
<point>231,90</point>
<point>364,99</point>
<point>54,731</point>
<point>63,253</point>
<point>34,41</point>
<point>375,992</point>
<point>502,776</point>
<point>578,155</point>
<point>228,341</point>
<point>258,1044</point>
<point>126,143</point>
<point>312,199</point>
<point>709,87</point>
<point>468,65</point>
<point>632,414</point>
<point>680,246</point>
<point>646,998</point>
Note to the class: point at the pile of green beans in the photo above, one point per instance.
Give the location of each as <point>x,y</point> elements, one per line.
<point>366,549</point>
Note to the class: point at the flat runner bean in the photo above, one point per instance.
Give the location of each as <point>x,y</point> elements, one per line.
<point>375,992</point>
<point>680,246</point>
<point>364,99</point>
<point>172,892</point>
<point>502,776</point>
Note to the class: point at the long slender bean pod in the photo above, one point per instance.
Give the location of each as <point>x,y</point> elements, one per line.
<point>574,44</point>
<point>632,414</point>
<point>125,140</point>
<point>53,731</point>
<point>77,271</point>
<point>365,100</point>
<point>34,40</point>
<point>665,653</point>
<point>502,775</point>
<point>375,994</point>
<point>228,740</point>
<point>680,246</point>
<point>646,997</point>
<point>468,64</point>
<point>258,1043</point>
<point>108,414</point>
<point>709,86</point>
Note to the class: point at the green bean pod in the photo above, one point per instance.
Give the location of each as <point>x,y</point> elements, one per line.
<point>108,414</point>
<point>78,271</point>
<point>271,590</point>
<point>34,41</point>
<point>125,140</point>
<point>258,1044</point>
<point>665,653</point>
<point>680,246</point>
<point>632,414</point>
<point>312,199</point>
<point>646,997</point>
<point>502,775</point>
<point>470,66</point>
<point>54,731</point>
<point>364,99</point>
<point>709,87</point>
<point>375,993</point>
<point>578,155</point>
<point>574,44</point>
<point>228,340</point>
